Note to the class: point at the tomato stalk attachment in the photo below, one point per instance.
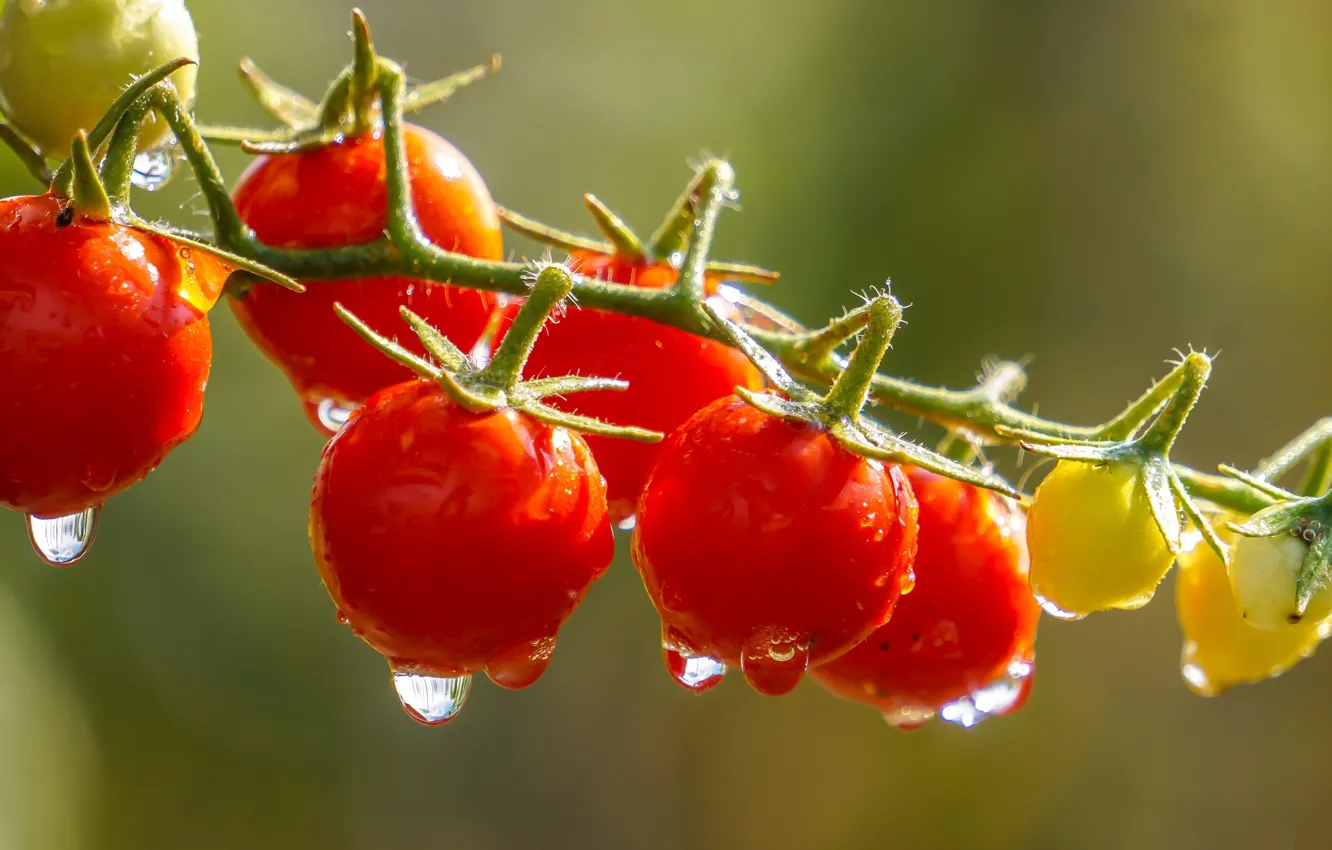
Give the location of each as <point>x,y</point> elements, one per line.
<point>839,410</point>
<point>499,383</point>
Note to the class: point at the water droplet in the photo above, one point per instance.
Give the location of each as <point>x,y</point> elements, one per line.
<point>1197,680</point>
<point>333,414</point>
<point>431,700</point>
<point>907,717</point>
<point>342,618</point>
<point>997,698</point>
<point>62,540</point>
<point>627,524</point>
<point>154,169</point>
<point>1055,611</point>
<point>774,666</point>
<point>698,673</point>
<point>907,582</point>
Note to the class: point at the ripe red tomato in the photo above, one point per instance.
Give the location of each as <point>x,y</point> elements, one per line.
<point>455,542</point>
<point>764,543</point>
<point>336,196</point>
<point>104,354</point>
<point>671,373</point>
<point>969,623</point>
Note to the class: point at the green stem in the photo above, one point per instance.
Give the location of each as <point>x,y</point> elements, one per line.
<point>232,233</point>
<point>1318,477</point>
<point>715,187</point>
<point>1161,435</point>
<point>851,389</point>
<point>1126,424</point>
<point>553,285</point>
<point>1222,491</point>
<point>31,158</point>
<point>670,237</point>
<point>1288,456</point>
<point>403,231</point>
<point>118,164</point>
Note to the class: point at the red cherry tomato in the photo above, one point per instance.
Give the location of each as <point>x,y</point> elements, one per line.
<point>336,196</point>
<point>764,543</point>
<point>104,354</point>
<point>671,374</point>
<point>455,542</point>
<point>969,623</point>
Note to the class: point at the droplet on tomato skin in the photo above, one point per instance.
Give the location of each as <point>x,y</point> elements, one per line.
<point>431,700</point>
<point>1000,697</point>
<point>332,414</point>
<point>696,673</point>
<point>63,540</point>
<point>774,667</point>
<point>907,718</point>
<point>1197,679</point>
<point>153,169</point>
<point>1055,611</point>
<point>523,666</point>
<point>627,524</point>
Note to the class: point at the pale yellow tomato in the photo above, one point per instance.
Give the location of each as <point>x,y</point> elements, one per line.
<point>1264,572</point>
<point>64,62</point>
<point>1220,648</point>
<point>1093,540</point>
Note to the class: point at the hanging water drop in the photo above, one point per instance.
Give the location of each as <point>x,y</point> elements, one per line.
<point>997,698</point>
<point>62,540</point>
<point>154,168</point>
<point>333,414</point>
<point>1055,611</point>
<point>698,673</point>
<point>431,700</point>
<point>628,523</point>
<point>907,717</point>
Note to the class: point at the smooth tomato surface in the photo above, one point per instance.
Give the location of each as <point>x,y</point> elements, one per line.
<point>765,544</point>
<point>336,196</point>
<point>671,374</point>
<point>970,615</point>
<point>454,542</point>
<point>1093,540</point>
<point>104,354</point>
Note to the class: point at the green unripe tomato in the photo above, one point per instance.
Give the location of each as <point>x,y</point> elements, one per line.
<point>63,62</point>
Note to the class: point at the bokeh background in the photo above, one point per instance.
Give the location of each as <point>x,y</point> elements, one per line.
<point>1090,184</point>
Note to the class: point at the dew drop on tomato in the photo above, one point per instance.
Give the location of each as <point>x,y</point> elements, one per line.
<point>1055,611</point>
<point>431,700</point>
<point>62,540</point>
<point>774,667</point>
<point>697,673</point>
<point>332,414</point>
<point>153,169</point>
<point>993,700</point>
<point>907,717</point>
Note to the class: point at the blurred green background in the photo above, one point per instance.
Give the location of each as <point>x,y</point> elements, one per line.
<point>1090,184</point>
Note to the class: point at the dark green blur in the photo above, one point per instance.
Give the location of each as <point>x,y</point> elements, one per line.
<point>1090,184</point>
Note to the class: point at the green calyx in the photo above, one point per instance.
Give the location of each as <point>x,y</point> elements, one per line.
<point>1142,436</point>
<point>350,107</point>
<point>839,409</point>
<point>498,384</point>
<point>621,241</point>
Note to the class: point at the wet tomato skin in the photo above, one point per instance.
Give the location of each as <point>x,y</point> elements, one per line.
<point>336,196</point>
<point>104,353</point>
<point>454,542</point>
<point>969,615</point>
<point>671,374</point>
<point>766,545</point>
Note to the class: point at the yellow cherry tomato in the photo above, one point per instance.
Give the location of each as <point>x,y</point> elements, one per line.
<point>1263,576</point>
<point>1220,648</point>
<point>1094,542</point>
<point>63,62</point>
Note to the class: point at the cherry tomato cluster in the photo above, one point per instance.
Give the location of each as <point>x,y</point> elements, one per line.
<point>466,500</point>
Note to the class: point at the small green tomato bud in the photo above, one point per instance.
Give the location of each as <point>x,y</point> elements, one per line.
<point>63,62</point>
<point>1263,576</point>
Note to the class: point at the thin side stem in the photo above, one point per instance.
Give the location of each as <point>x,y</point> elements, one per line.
<point>851,389</point>
<point>553,285</point>
<point>1160,436</point>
